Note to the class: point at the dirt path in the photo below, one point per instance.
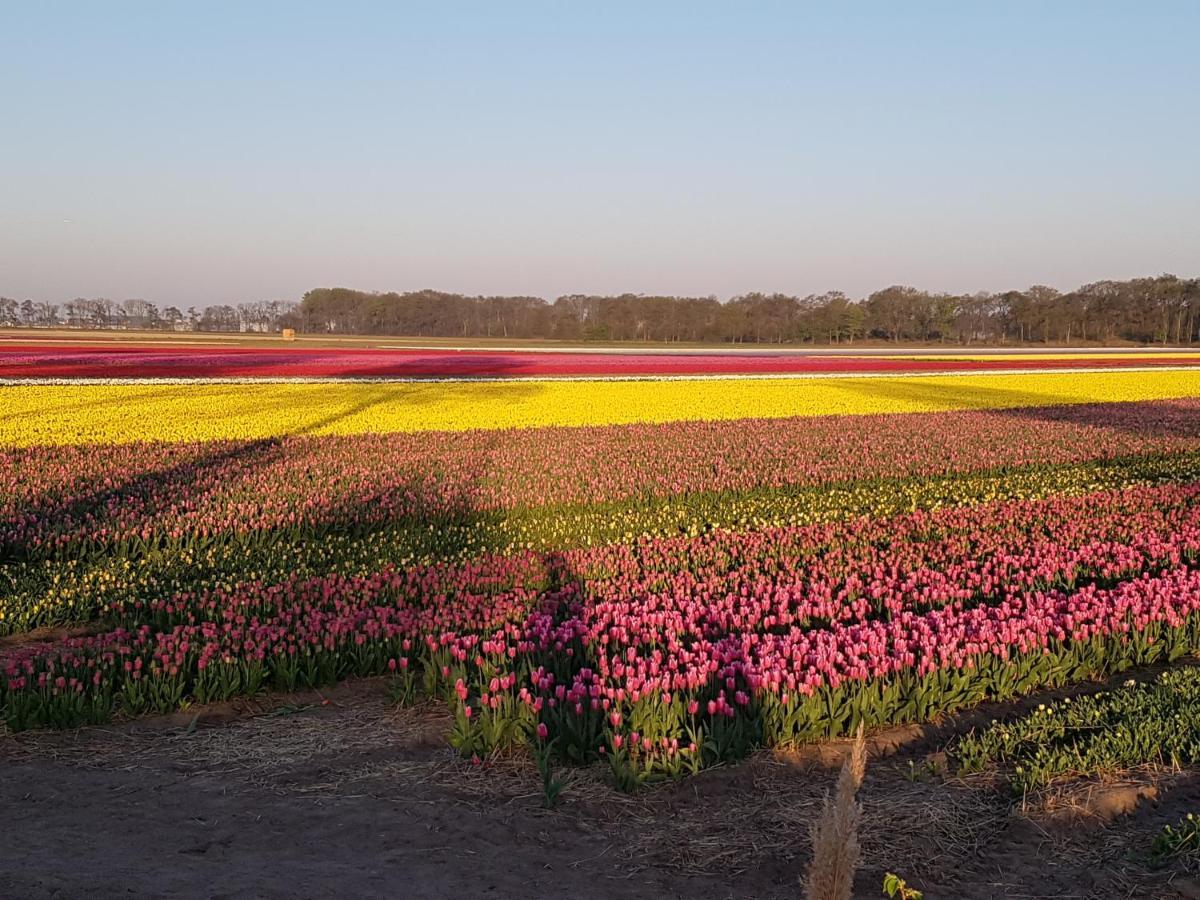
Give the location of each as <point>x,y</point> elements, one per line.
<point>339,801</point>
<point>356,799</point>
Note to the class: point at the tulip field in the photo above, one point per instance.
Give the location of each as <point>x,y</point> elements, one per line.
<point>47,360</point>
<point>655,574</point>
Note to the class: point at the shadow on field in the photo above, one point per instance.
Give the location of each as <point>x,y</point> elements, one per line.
<point>141,492</point>
<point>941,396</point>
<point>116,362</point>
<point>106,580</point>
<point>1148,418</point>
<point>153,491</point>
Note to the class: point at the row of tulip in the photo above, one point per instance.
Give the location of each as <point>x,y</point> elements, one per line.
<point>120,412</point>
<point>677,653</point>
<point>141,361</point>
<point>128,499</point>
<point>747,696</point>
<point>104,582</point>
<point>807,575</point>
<point>1138,724</point>
<point>1178,841</point>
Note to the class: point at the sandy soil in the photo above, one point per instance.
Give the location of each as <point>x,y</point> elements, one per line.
<point>345,796</point>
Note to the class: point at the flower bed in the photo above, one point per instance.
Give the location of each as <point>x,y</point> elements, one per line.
<point>140,361</point>
<point>724,641</point>
<point>80,413</point>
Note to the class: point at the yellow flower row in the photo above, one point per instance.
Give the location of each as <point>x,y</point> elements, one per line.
<point>81,413</point>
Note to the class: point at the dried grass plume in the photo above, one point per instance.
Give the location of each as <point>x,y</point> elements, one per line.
<point>835,833</point>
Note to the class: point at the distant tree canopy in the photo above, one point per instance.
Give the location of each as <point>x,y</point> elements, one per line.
<point>82,312</point>
<point>1163,310</point>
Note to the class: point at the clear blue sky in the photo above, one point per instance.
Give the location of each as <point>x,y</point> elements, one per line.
<point>197,153</point>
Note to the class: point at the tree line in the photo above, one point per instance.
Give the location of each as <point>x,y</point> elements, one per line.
<point>82,312</point>
<point>1163,309</point>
